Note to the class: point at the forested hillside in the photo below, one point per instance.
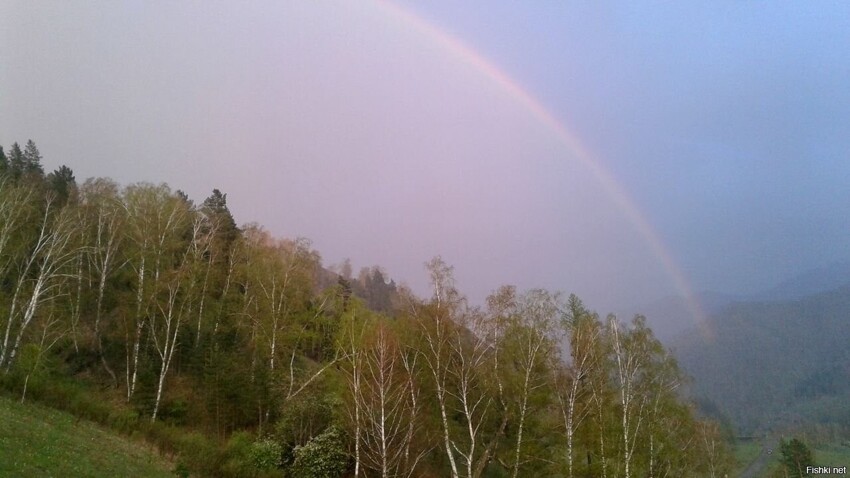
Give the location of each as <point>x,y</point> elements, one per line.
<point>239,352</point>
<point>776,365</point>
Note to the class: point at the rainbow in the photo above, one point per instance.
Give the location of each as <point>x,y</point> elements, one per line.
<point>616,192</point>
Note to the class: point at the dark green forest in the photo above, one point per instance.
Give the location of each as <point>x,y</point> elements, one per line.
<point>239,354</point>
<point>776,365</point>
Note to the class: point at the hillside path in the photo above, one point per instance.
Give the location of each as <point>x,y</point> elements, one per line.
<point>770,446</point>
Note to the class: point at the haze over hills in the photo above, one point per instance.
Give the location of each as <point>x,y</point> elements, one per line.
<point>673,316</point>
<point>808,283</point>
<point>773,365</point>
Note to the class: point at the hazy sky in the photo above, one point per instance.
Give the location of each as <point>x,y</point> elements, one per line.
<point>392,132</point>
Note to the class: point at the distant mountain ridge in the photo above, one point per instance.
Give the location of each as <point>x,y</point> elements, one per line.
<point>809,283</point>
<point>673,316</point>
<point>774,364</point>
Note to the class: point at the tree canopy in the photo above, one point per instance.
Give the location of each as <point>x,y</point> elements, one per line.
<point>175,316</point>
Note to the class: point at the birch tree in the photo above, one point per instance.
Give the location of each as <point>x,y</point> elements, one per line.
<point>219,260</point>
<point>40,273</point>
<point>278,281</point>
<point>470,390</point>
<point>16,213</point>
<point>385,402</point>
<point>602,398</point>
<point>665,419</point>
<point>278,287</point>
<point>175,304</point>
<point>50,330</point>
<point>154,220</point>
<point>457,353</point>
<point>16,208</point>
<point>712,450</point>
<point>572,379</point>
<point>351,344</point>
<point>533,351</point>
<point>434,321</point>
<point>632,352</point>
<point>105,217</point>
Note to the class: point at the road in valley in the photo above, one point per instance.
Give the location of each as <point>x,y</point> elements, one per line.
<point>770,447</point>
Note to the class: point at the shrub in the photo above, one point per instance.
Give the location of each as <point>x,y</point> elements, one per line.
<point>266,454</point>
<point>322,457</point>
<point>174,412</point>
<point>238,455</point>
<point>304,418</point>
<point>124,420</point>
<point>181,470</point>
<point>200,452</point>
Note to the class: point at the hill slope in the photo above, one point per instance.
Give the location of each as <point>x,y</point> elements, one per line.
<point>808,283</point>
<point>767,365</point>
<point>37,441</point>
<point>671,316</point>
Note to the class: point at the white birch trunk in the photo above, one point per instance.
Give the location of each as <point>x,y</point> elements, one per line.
<point>51,255</point>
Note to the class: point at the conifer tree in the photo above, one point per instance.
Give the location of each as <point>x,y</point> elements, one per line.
<point>796,458</point>
<point>16,161</point>
<point>63,184</point>
<point>4,161</point>
<point>32,160</point>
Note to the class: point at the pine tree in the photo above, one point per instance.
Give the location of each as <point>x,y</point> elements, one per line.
<point>16,161</point>
<point>62,183</point>
<point>215,206</point>
<point>796,457</point>
<point>4,162</point>
<point>32,160</point>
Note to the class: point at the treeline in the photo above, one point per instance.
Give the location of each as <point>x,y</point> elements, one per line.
<point>171,314</point>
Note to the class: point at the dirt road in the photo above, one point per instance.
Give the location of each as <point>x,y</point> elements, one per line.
<point>770,447</point>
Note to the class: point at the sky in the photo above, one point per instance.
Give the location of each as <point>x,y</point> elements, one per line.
<point>624,151</point>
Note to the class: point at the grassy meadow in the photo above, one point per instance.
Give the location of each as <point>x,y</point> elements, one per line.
<point>38,441</point>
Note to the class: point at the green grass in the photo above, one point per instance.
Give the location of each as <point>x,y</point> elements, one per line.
<point>832,454</point>
<point>37,441</point>
<point>746,453</point>
<point>835,454</point>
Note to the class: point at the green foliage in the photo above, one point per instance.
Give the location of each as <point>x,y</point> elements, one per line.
<point>215,206</point>
<point>375,289</point>
<point>324,456</point>
<point>238,455</point>
<point>174,411</point>
<point>181,470</point>
<point>171,323</point>
<point>266,454</point>
<point>16,161</point>
<point>745,453</point>
<point>33,361</point>
<point>32,160</point>
<point>123,420</point>
<point>796,456</point>
<point>304,417</point>
<point>62,183</point>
